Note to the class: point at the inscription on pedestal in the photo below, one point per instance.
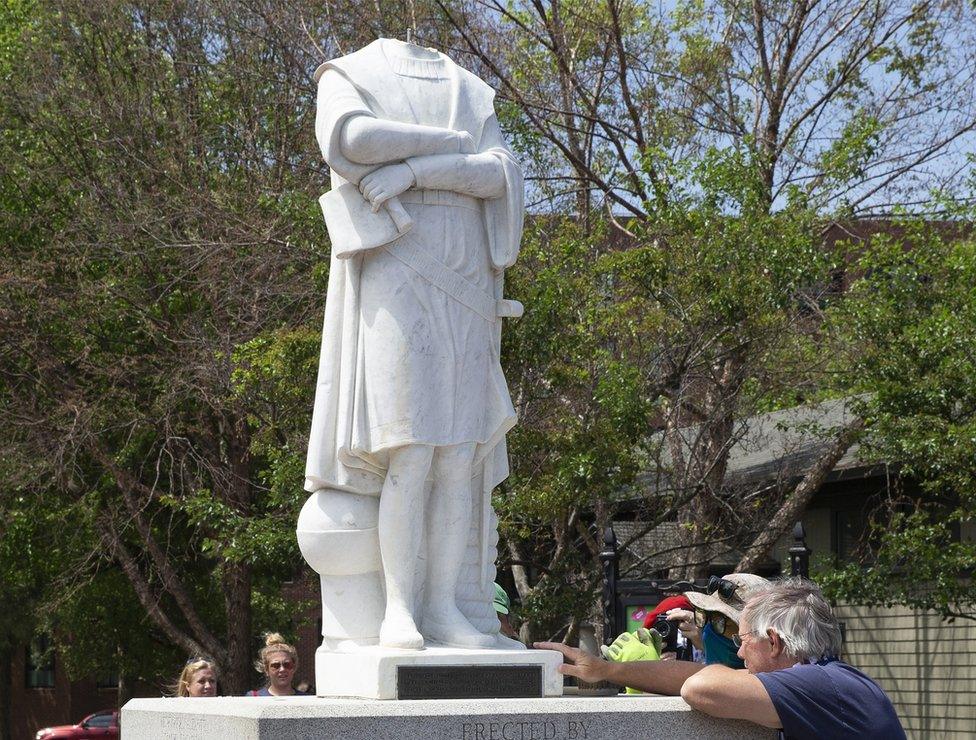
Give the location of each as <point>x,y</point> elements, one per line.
<point>469,682</point>
<point>561,729</point>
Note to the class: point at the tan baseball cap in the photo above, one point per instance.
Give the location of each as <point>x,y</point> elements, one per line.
<point>747,585</point>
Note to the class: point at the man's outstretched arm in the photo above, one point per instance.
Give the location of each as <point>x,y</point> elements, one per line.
<point>716,690</point>
<point>654,676</point>
<point>724,692</point>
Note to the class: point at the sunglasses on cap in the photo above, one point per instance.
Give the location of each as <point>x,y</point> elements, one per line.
<point>726,588</point>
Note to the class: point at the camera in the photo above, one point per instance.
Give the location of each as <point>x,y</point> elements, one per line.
<point>668,632</point>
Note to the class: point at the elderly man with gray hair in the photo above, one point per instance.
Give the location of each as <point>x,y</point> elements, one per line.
<point>793,680</point>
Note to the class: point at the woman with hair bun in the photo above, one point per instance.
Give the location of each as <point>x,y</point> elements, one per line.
<point>278,661</point>
<point>198,678</point>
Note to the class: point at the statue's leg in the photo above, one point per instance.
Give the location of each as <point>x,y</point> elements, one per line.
<point>448,529</point>
<point>401,523</point>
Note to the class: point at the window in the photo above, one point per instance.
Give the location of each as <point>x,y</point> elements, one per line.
<point>102,719</point>
<point>40,663</point>
<point>852,535</point>
<point>107,681</point>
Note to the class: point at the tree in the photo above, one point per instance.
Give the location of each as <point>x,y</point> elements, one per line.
<point>165,265</point>
<point>164,236</point>
<point>909,329</point>
<point>827,97</point>
<point>164,268</point>
<point>27,552</point>
<point>27,557</point>
<point>720,140</point>
<point>582,423</point>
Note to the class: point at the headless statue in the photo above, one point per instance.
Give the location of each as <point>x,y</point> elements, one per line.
<point>424,215</point>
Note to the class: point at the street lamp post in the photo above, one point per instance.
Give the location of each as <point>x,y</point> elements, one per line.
<point>799,553</point>
<point>611,572</point>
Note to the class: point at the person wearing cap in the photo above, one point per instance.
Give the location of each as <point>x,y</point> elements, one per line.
<point>666,606</point>
<point>717,613</point>
<point>793,680</point>
<point>503,606</point>
<point>678,609</point>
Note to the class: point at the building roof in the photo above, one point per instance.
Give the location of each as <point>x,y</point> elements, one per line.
<point>784,444</point>
<point>769,450</point>
<point>778,446</point>
<point>655,550</point>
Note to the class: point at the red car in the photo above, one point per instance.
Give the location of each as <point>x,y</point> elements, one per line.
<point>104,724</point>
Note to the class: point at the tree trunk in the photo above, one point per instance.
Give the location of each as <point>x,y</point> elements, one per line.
<point>238,674</point>
<point>794,506</point>
<point>704,469</point>
<point>6,677</point>
<point>697,530</point>
<point>124,690</point>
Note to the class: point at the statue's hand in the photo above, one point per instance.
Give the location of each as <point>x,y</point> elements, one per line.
<point>466,143</point>
<point>384,183</point>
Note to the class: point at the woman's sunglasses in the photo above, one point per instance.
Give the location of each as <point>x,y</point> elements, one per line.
<point>720,623</point>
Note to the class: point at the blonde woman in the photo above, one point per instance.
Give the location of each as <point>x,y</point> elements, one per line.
<point>278,661</point>
<point>198,679</point>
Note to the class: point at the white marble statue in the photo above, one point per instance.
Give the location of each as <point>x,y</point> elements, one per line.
<point>411,409</point>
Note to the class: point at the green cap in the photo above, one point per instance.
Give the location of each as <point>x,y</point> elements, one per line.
<point>502,604</point>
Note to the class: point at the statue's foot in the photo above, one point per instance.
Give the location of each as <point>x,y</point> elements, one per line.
<point>399,631</point>
<point>503,642</point>
<point>449,627</point>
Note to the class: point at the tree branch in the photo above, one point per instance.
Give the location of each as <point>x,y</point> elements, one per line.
<point>798,501</point>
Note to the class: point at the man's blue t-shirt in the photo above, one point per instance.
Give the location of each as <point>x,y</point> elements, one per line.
<point>830,700</point>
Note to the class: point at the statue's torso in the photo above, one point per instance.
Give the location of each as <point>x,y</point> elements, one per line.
<point>425,82</point>
<point>429,368</point>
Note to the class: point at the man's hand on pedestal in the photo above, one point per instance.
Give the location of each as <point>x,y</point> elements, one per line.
<point>653,676</point>
<point>582,665</point>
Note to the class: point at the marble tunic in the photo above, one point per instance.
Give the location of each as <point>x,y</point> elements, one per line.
<point>403,362</point>
<point>431,373</point>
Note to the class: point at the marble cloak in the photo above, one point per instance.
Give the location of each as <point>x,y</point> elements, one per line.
<point>332,462</point>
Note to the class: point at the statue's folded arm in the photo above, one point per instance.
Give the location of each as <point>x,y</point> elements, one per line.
<point>479,175</point>
<point>369,140</point>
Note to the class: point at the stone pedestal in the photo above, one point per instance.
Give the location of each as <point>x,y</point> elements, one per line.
<point>438,673</point>
<point>559,718</point>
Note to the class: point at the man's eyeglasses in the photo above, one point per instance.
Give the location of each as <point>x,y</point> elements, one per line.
<point>286,664</point>
<point>725,587</point>
<point>737,639</point>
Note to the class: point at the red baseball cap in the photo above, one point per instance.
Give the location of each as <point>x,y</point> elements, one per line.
<point>672,602</point>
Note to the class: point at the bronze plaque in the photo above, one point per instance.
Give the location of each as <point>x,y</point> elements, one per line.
<point>469,681</point>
